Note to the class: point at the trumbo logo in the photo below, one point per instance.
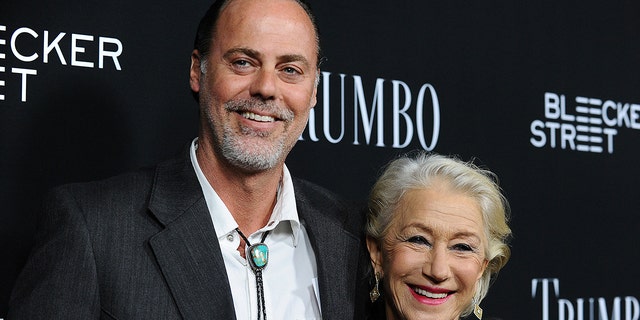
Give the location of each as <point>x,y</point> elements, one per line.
<point>31,47</point>
<point>548,290</point>
<point>590,127</point>
<point>408,115</point>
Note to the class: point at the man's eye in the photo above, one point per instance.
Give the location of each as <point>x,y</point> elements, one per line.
<point>241,63</point>
<point>291,74</point>
<point>290,70</point>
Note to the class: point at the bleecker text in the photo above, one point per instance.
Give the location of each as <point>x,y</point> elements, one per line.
<point>33,48</point>
<point>589,127</point>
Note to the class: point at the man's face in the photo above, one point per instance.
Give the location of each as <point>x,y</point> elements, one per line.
<point>257,84</point>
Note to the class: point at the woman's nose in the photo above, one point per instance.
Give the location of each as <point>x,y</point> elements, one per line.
<point>436,266</point>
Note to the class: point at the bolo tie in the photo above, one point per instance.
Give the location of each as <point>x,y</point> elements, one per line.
<point>258,256</point>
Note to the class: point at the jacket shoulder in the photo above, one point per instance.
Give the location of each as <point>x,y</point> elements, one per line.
<point>311,195</point>
<point>124,187</point>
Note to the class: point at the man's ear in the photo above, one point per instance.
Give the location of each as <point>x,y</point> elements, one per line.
<point>375,254</point>
<point>195,71</point>
<point>314,96</point>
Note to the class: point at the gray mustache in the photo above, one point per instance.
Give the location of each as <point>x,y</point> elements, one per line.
<point>257,105</point>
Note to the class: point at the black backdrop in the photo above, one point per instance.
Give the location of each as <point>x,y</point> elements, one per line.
<point>544,93</point>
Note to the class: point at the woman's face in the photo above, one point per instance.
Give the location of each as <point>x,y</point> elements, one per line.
<point>432,256</point>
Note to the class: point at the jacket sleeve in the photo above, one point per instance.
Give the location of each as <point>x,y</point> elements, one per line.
<point>59,280</point>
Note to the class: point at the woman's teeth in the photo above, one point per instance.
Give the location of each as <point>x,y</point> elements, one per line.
<point>429,294</point>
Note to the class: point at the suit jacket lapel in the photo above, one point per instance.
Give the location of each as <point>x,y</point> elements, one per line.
<point>187,250</point>
<point>189,256</point>
<point>337,254</point>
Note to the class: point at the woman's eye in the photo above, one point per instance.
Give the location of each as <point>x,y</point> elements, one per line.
<point>419,240</point>
<point>462,247</point>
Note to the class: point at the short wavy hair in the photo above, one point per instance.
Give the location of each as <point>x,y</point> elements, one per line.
<point>419,170</point>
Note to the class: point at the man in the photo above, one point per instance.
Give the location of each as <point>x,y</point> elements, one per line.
<point>190,238</point>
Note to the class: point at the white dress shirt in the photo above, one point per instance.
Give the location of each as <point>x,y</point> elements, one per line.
<point>290,277</point>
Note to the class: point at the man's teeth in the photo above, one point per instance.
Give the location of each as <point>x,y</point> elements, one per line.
<point>257,117</point>
<point>430,294</point>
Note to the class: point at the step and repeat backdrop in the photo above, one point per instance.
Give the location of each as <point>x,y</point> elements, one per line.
<point>544,93</point>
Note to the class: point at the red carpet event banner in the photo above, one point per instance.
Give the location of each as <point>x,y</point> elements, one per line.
<point>543,93</point>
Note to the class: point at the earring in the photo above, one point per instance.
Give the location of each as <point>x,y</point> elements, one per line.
<point>375,293</point>
<point>477,311</point>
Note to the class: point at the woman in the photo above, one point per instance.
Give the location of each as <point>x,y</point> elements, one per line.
<point>437,234</point>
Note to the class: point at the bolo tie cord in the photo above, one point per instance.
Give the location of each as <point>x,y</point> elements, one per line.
<point>257,270</point>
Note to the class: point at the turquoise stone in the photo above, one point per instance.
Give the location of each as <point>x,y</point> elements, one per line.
<point>259,255</point>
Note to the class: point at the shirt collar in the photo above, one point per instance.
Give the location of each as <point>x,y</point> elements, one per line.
<point>285,209</point>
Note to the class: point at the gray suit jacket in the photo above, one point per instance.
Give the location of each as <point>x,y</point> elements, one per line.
<point>142,246</point>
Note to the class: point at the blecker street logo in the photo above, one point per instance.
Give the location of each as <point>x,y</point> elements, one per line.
<point>589,127</point>
<point>31,47</point>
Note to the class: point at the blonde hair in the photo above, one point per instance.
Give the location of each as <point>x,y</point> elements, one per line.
<point>419,170</point>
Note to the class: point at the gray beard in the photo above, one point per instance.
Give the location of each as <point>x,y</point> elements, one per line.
<point>262,158</point>
<point>259,158</point>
